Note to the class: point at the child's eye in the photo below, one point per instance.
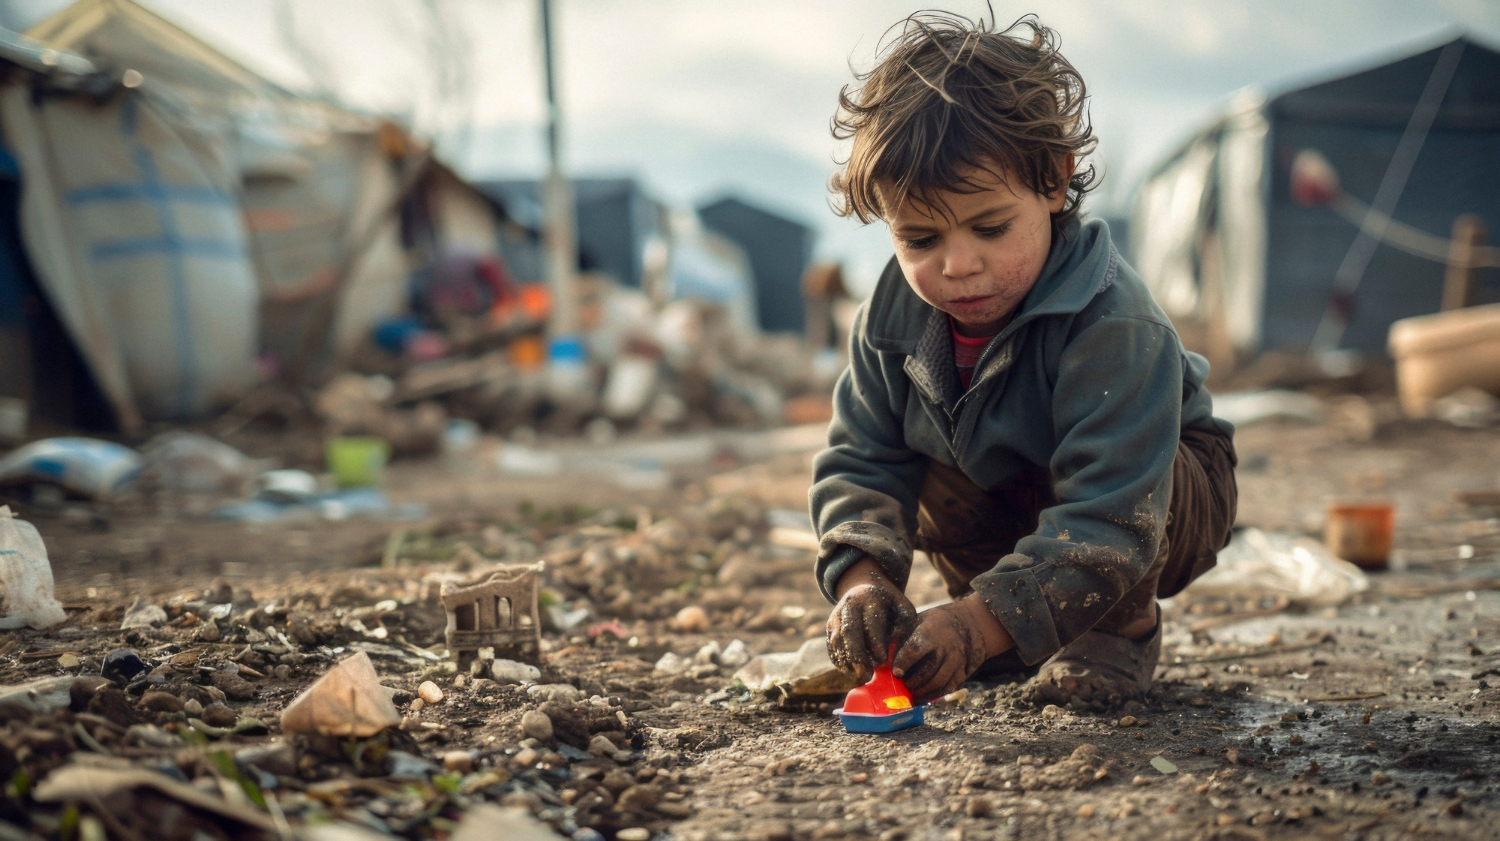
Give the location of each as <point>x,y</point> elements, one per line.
<point>922,242</point>
<point>992,230</point>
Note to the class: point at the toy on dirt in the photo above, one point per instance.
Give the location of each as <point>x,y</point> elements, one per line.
<point>884,705</point>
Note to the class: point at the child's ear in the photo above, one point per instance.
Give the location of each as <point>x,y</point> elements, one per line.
<point>1057,198</point>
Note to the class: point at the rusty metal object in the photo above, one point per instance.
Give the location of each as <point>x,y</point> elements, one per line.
<point>497,611</point>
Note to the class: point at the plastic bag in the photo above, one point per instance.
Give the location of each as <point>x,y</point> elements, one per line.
<point>87,467</point>
<point>1257,563</point>
<point>25,576</point>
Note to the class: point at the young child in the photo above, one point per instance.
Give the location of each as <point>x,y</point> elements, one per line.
<point>1015,405</point>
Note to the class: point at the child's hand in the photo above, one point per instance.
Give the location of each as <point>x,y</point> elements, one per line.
<point>871,614</point>
<point>950,643</point>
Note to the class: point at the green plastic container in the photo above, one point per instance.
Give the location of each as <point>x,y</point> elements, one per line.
<point>357,461</point>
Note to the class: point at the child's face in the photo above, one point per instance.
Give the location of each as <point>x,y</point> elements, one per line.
<point>976,255</point>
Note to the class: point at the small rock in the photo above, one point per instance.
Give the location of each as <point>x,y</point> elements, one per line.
<point>430,692</point>
<point>979,807</point>
<point>638,798</point>
<point>234,687</point>
<point>1086,810</point>
<point>417,705</point>
<point>560,692</point>
<point>68,660</point>
<point>691,619</point>
<point>674,809</point>
<point>1454,809</point>
<point>509,671</point>
<point>458,761</point>
<point>122,665</point>
<point>250,726</point>
<point>708,655</point>
<point>535,724</point>
<point>482,685</point>
<point>587,834</point>
<point>1379,778</point>
<point>1127,721</point>
<point>861,777</point>
<point>143,614</point>
<point>1164,765</point>
<point>162,702</point>
<point>617,781</point>
<point>218,715</point>
<point>734,655</point>
<point>600,745</point>
<point>527,757</point>
<point>671,664</point>
<point>193,707</point>
<point>634,833</point>
<point>208,632</point>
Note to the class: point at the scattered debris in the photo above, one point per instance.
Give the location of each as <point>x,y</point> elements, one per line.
<point>25,577</point>
<point>347,701</point>
<point>498,612</point>
<point>802,675</point>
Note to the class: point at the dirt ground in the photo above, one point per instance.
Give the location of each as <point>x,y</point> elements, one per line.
<point>1374,719</point>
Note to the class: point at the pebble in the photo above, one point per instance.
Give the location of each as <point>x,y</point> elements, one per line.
<point>691,619</point>
<point>587,834</point>
<point>638,798</point>
<point>600,745</point>
<point>562,692</point>
<point>430,692</point>
<point>1379,778</point>
<point>617,781</point>
<point>1086,810</point>
<point>193,707</point>
<point>634,833</point>
<point>459,761</point>
<point>417,704</point>
<point>1127,721</point>
<point>218,715</point>
<point>535,724</point>
<point>527,757</point>
<point>162,702</point>
<point>122,665</point>
<point>509,671</point>
<point>861,777</point>
<point>234,687</point>
<point>68,660</point>
<point>671,664</point>
<point>734,655</point>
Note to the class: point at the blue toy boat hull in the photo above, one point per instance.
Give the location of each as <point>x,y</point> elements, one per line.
<point>866,723</point>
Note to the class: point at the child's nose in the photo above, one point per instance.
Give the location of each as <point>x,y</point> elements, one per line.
<point>961,260</point>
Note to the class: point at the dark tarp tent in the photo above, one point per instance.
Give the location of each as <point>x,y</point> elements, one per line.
<point>1243,268</point>
<point>779,250</point>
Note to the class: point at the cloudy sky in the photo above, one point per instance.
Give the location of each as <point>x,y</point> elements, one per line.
<point>700,98</point>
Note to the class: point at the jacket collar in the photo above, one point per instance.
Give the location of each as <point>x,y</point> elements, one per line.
<point>1082,264</point>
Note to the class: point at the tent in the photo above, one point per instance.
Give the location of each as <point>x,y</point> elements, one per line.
<point>779,250</point>
<point>190,221</point>
<point>1242,267</point>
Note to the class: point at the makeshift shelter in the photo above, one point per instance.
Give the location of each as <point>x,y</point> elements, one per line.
<point>189,220</point>
<point>1242,267</point>
<point>779,250</point>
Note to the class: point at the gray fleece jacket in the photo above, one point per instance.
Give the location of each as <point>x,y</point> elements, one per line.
<point>1088,381</point>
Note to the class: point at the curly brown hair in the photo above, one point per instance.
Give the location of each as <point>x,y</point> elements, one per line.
<point>950,97</point>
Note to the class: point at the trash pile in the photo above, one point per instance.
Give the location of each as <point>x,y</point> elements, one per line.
<point>480,361</point>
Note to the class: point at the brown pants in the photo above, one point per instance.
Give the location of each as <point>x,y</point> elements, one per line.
<point>965,529</point>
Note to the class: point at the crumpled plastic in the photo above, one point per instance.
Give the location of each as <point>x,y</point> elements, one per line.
<point>25,577</point>
<point>1259,564</point>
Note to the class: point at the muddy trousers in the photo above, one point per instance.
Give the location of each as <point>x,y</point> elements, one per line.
<point>964,529</point>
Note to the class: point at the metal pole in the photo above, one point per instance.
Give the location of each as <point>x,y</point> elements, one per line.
<point>557,201</point>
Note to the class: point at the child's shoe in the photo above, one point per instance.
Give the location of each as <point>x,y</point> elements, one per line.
<point>1099,671</point>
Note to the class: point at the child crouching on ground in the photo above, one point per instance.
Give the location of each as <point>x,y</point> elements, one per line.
<point>1015,406</point>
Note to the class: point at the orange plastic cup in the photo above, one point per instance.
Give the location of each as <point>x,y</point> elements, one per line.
<point>1361,532</point>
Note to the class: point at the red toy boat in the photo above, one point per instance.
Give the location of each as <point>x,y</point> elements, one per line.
<point>884,705</point>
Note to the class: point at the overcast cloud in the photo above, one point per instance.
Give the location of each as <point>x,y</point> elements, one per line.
<point>705,98</point>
